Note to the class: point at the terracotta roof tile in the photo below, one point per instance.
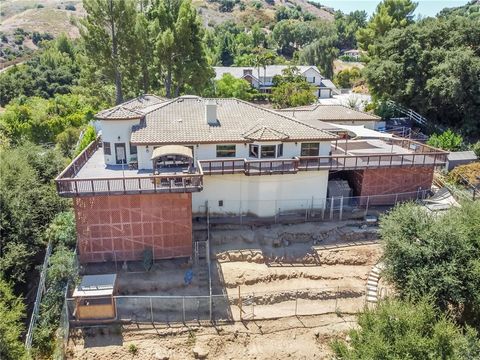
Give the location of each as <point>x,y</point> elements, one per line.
<point>182,121</point>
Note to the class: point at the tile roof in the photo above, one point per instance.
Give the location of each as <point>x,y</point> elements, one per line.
<point>269,71</point>
<point>132,109</point>
<point>182,121</point>
<point>327,113</point>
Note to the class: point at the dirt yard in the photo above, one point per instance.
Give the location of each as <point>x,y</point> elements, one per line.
<point>317,271</point>
<point>294,338</point>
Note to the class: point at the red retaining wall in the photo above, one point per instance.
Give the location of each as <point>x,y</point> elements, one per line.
<point>121,227</point>
<point>391,181</point>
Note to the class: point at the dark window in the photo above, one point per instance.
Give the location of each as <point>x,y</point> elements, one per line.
<point>220,203</point>
<point>268,151</point>
<point>310,149</point>
<point>279,150</point>
<point>133,149</point>
<point>313,79</point>
<point>253,151</point>
<point>106,148</point>
<point>226,151</point>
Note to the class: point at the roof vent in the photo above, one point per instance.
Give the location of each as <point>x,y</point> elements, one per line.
<point>211,112</point>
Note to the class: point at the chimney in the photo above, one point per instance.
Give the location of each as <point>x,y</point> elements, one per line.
<point>211,112</point>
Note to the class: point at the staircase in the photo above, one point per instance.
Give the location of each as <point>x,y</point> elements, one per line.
<point>372,284</point>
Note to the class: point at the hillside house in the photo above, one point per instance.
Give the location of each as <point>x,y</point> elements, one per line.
<point>261,78</point>
<point>155,168</point>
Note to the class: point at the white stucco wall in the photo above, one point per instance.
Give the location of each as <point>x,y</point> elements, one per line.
<point>116,132</point>
<point>209,152</point>
<point>261,195</point>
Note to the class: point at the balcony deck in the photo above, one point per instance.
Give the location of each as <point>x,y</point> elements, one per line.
<point>87,175</point>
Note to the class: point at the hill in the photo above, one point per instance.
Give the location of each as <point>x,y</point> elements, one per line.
<point>21,19</point>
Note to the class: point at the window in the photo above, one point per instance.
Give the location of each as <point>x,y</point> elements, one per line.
<point>268,151</point>
<point>313,81</point>
<point>226,151</point>
<point>253,151</point>
<point>106,148</point>
<point>133,149</point>
<point>279,150</point>
<point>310,149</point>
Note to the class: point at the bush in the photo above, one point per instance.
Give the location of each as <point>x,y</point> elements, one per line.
<point>89,135</point>
<point>12,310</point>
<point>447,140</point>
<point>435,256</point>
<point>476,148</point>
<point>404,330</point>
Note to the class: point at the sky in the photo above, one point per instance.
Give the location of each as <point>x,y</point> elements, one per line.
<point>424,8</point>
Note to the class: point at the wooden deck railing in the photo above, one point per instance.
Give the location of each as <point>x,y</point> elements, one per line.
<point>146,184</point>
<point>311,163</point>
<point>70,186</point>
<point>74,167</point>
<point>270,167</point>
<point>222,167</point>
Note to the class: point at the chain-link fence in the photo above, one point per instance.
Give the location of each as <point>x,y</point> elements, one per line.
<point>305,210</point>
<point>234,306</point>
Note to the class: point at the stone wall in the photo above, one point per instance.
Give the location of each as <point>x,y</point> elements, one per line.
<point>121,227</point>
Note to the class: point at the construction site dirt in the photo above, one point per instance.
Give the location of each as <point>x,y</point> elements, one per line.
<point>273,284</point>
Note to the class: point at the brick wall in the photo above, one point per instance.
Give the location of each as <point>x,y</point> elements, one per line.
<point>390,181</point>
<point>120,227</point>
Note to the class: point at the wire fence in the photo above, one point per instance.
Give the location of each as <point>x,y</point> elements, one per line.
<point>229,307</point>
<point>306,210</point>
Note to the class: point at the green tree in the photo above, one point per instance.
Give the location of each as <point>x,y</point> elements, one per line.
<point>436,256</point>
<point>179,49</point>
<point>12,311</point>
<point>347,27</point>
<point>432,67</point>
<point>28,202</point>
<point>322,51</point>
<point>291,89</point>
<point>390,14</point>
<point>229,86</point>
<point>89,135</point>
<point>347,78</point>
<point>447,140</point>
<point>109,38</point>
<point>404,330</point>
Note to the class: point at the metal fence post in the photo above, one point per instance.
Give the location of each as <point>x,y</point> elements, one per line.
<point>151,309</point>
<point>296,302</point>
<point>240,302</point>
<point>341,208</point>
<point>332,200</point>
<point>253,305</point>
<point>366,207</point>
<point>183,309</point>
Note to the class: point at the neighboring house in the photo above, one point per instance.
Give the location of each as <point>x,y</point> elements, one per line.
<point>354,53</point>
<point>155,168</point>
<point>261,78</point>
<point>336,114</point>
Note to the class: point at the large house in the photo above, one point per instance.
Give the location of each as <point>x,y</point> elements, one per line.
<point>159,164</point>
<point>261,78</point>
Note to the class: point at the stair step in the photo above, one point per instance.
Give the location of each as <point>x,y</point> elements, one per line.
<point>373,276</point>
<point>372,299</point>
<point>375,271</point>
<point>372,288</point>
<point>372,282</point>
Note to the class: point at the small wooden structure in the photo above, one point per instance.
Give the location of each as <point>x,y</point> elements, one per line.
<point>94,297</point>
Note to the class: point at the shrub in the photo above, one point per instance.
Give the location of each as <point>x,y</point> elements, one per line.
<point>404,330</point>
<point>448,140</point>
<point>435,256</point>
